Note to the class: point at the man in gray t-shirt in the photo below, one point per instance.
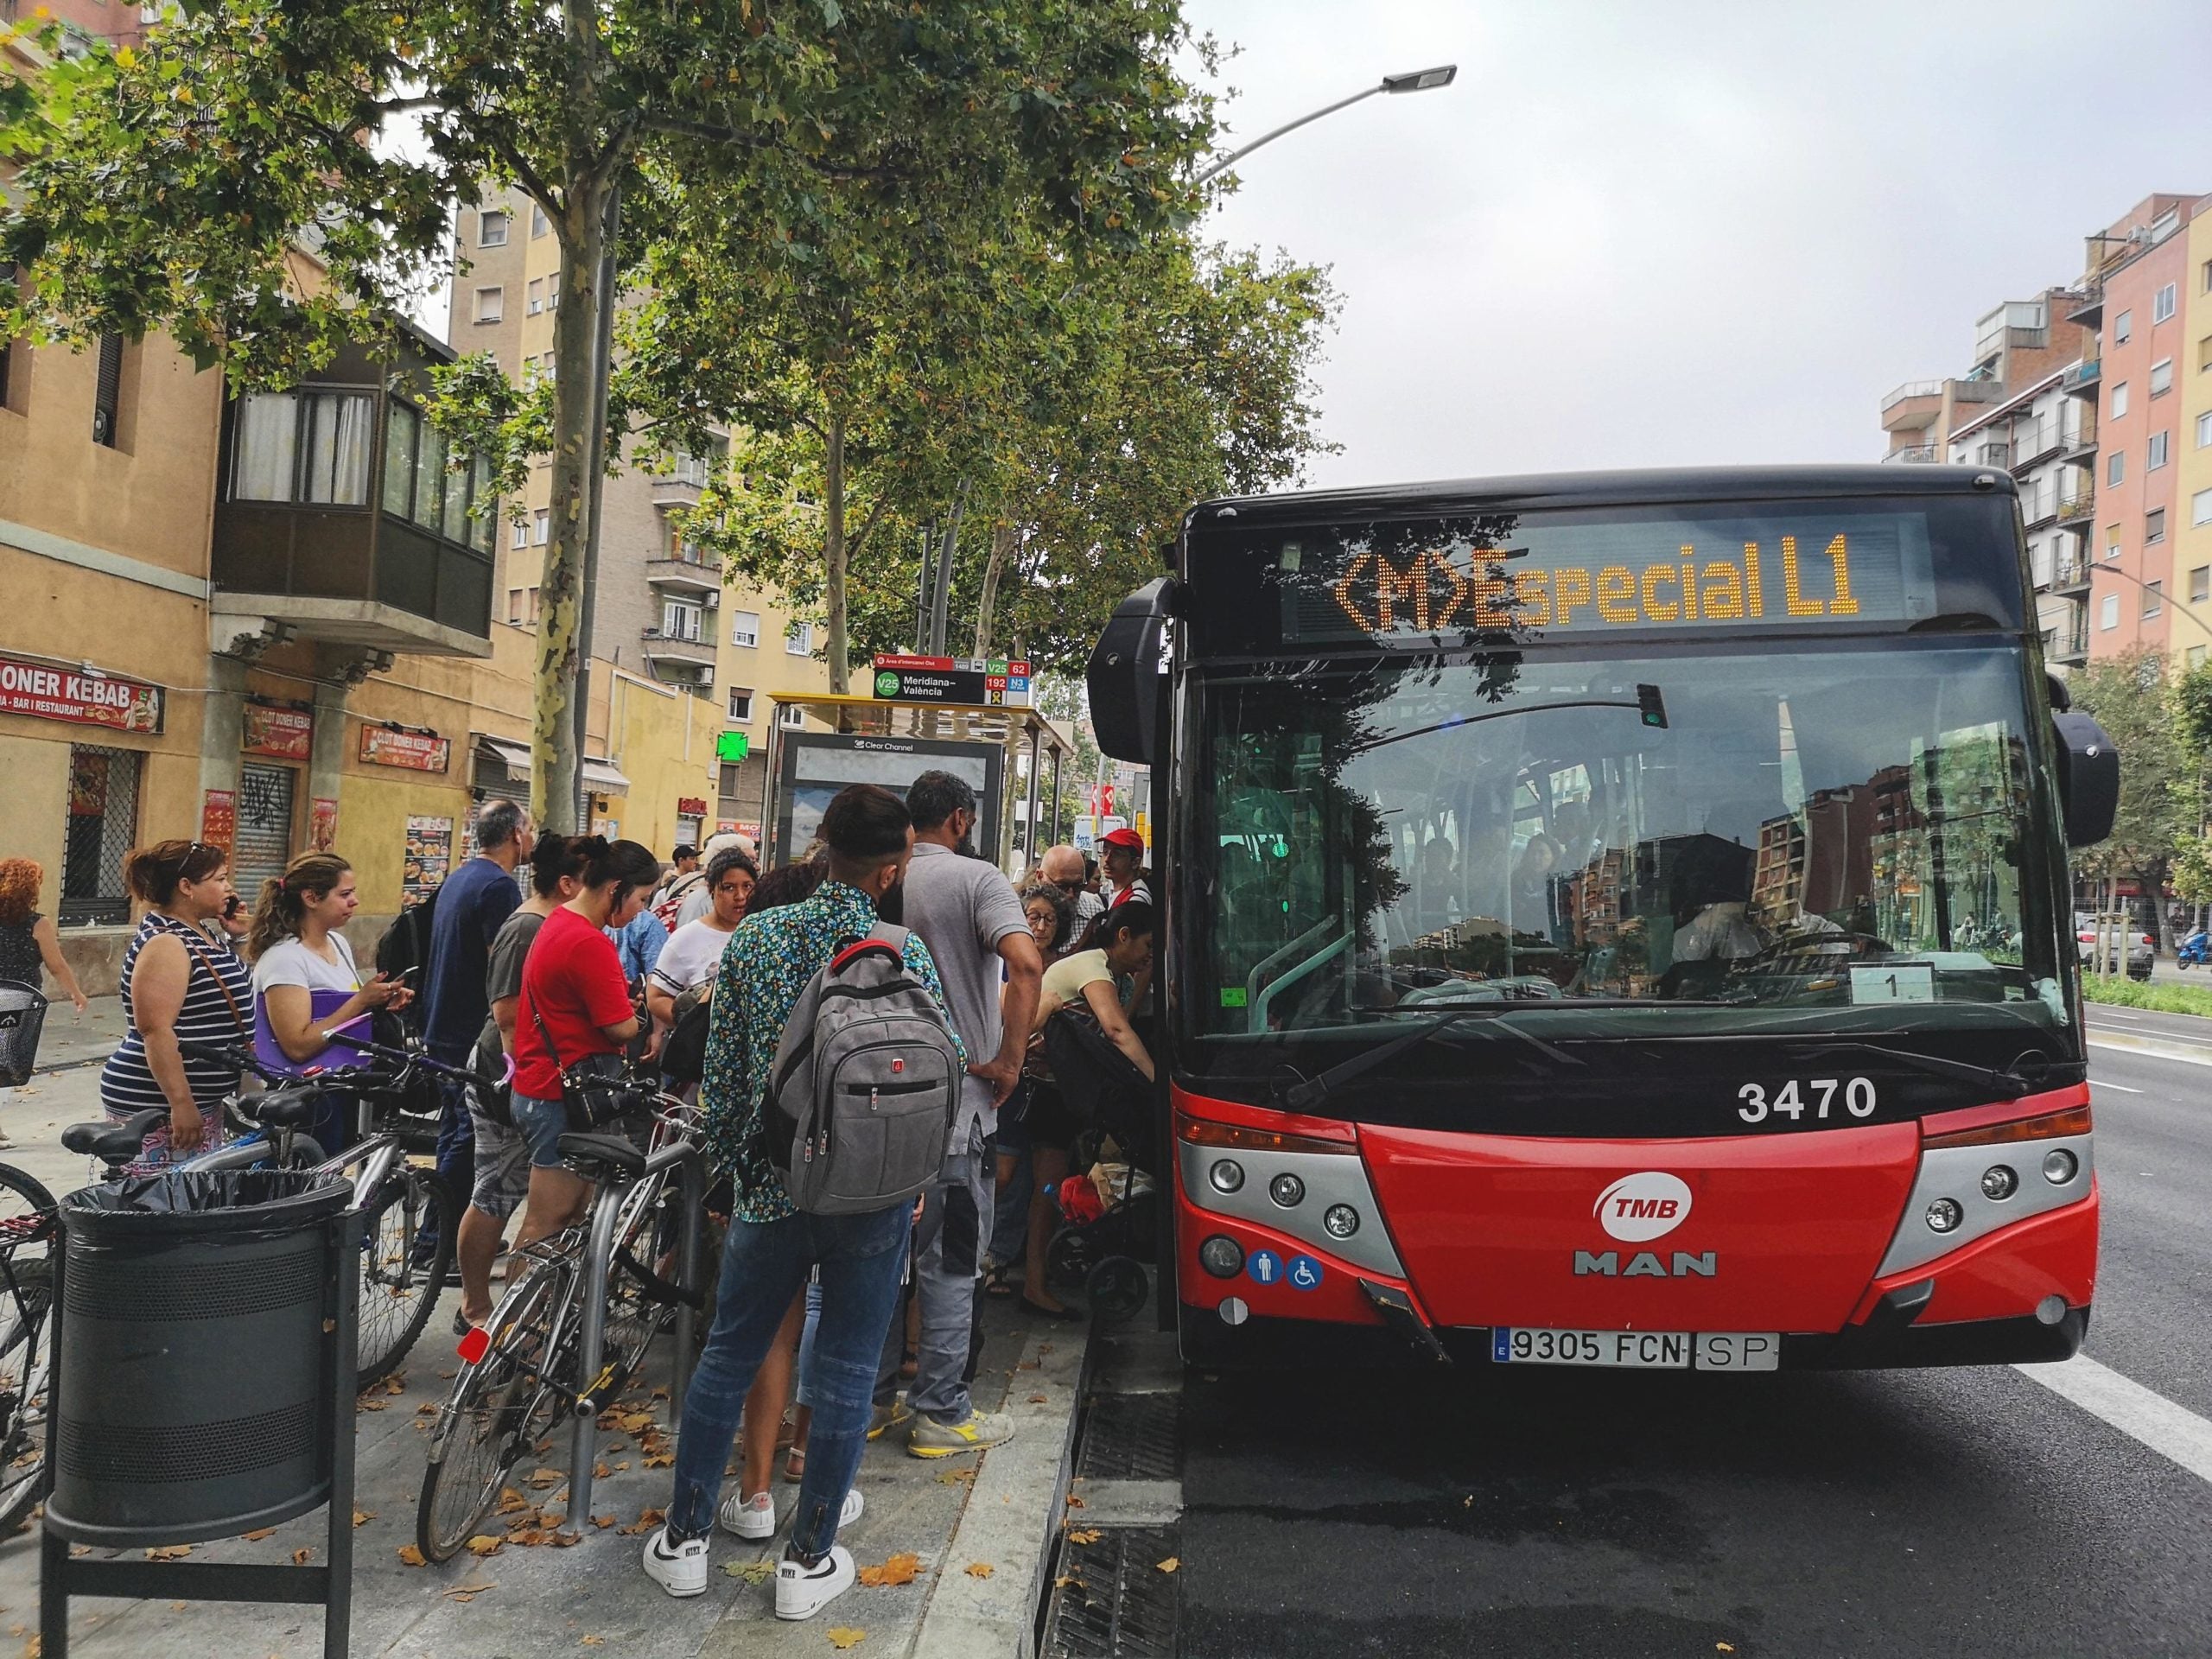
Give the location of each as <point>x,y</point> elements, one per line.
<point>502,1172</point>
<point>968,916</point>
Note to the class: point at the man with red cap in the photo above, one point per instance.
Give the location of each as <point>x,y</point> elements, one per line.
<point>1122,853</point>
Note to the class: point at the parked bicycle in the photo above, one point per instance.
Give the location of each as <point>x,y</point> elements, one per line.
<point>27,1268</point>
<point>572,1329</point>
<point>412,1214</point>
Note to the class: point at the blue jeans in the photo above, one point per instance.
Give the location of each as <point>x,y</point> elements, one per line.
<point>764,1264</point>
<point>456,1154</point>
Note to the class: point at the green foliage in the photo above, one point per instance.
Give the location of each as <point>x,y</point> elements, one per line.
<point>2119,991</point>
<point>2158,777</point>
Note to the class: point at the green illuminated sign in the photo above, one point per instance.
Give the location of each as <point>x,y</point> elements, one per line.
<point>732,746</point>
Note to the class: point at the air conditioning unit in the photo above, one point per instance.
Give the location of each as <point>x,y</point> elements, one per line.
<point>713,601</point>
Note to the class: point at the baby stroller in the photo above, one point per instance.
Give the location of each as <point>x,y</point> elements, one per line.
<point>1108,1203</point>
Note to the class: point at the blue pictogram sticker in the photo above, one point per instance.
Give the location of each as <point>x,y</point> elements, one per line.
<point>1265,1267</point>
<point>1305,1273</point>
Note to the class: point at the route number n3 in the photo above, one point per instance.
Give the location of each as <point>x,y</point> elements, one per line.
<point>1819,1093</point>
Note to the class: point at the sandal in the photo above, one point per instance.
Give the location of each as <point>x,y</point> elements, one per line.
<point>998,1283</point>
<point>795,1466</point>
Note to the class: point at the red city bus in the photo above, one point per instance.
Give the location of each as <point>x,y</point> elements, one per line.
<point>1618,920</point>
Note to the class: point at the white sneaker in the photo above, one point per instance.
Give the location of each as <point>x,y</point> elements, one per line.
<point>850,1511</point>
<point>751,1518</point>
<point>680,1569</point>
<point>802,1591</point>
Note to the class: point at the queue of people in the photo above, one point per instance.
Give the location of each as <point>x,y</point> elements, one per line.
<point>871,1320</point>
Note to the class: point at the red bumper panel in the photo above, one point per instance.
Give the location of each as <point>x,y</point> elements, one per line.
<point>2004,1274</point>
<point>1743,1234</point>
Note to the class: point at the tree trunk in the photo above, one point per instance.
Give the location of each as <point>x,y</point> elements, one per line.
<point>555,763</point>
<point>834,553</point>
<point>1004,539</point>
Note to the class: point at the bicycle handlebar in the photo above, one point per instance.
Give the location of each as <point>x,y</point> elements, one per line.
<point>236,1055</point>
<point>409,1056</point>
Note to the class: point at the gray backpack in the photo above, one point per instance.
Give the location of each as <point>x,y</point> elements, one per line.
<point>867,1078</point>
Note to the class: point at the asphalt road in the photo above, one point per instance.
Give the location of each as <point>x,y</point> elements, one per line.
<point>1558,1512</point>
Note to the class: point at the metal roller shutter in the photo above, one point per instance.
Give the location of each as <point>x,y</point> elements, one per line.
<point>263,846</point>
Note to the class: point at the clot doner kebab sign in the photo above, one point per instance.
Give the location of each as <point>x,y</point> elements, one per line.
<point>82,696</point>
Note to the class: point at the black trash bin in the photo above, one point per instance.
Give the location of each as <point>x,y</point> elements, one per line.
<point>196,1365</point>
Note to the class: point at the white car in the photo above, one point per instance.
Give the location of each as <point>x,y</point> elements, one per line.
<point>2141,947</point>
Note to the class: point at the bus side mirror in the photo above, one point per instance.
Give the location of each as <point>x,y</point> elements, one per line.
<point>1123,677</point>
<point>2089,778</point>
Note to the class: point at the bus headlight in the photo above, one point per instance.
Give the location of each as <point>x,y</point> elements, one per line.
<point>1944,1216</point>
<point>1226,1175</point>
<point>2060,1165</point>
<point>1222,1256</point>
<point>1998,1182</point>
<point>1341,1220</point>
<point>1287,1189</point>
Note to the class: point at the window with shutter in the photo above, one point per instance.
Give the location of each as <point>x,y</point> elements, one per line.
<point>107,395</point>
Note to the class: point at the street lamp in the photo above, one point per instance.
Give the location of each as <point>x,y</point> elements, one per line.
<point>1418,80</point>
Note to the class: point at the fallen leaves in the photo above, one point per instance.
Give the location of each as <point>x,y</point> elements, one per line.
<point>899,1569</point>
<point>304,1554</point>
<point>259,1534</point>
<point>978,1569</point>
<point>603,1522</point>
<point>468,1593</point>
<point>484,1546</point>
<point>956,1477</point>
<point>844,1635</point>
<point>594,1641</point>
<point>661,1460</point>
<point>171,1552</point>
<point>1723,1647</point>
<point>1169,1564</point>
<point>751,1572</point>
<point>542,1478</point>
<point>646,1521</point>
<point>1074,1500</point>
<point>410,1556</point>
<point>1036,1399</point>
<point>1086,1536</point>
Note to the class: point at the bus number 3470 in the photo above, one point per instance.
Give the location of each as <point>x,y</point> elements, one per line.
<point>1817,1094</point>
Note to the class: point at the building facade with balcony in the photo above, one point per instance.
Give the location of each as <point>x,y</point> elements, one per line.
<point>2046,438</point>
<point>662,613</point>
<point>2193,448</point>
<point>2015,345</point>
<point>2134,297</point>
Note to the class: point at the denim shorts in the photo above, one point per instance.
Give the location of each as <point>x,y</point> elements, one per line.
<point>542,1123</point>
<point>502,1167</point>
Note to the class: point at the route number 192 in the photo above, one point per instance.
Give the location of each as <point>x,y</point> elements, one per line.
<point>1817,1093</point>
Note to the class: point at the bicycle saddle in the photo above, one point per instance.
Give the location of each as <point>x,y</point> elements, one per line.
<point>610,1150</point>
<point>112,1142</point>
<point>283,1108</point>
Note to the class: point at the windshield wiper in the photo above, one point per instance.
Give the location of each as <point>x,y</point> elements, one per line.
<point>1311,1092</point>
<point>2010,1085</point>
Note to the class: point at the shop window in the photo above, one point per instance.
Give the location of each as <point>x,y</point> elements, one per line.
<point>103,826</point>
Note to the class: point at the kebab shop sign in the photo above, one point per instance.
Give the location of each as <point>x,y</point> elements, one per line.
<point>82,696</point>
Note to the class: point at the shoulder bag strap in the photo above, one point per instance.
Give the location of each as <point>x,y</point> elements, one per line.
<point>193,943</point>
<point>551,1048</point>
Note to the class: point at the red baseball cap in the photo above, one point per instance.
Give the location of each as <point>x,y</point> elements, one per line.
<point>1124,837</point>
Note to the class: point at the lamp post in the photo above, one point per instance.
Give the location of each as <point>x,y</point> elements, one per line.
<point>2165,598</point>
<point>1418,80</point>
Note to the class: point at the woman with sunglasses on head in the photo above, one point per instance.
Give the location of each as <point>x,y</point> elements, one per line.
<point>694,952</point>
<point>177,985</point>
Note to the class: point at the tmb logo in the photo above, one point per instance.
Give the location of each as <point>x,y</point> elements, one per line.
<point>1643,1206</point>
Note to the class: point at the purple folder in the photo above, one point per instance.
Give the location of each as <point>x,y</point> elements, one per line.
<point>337,1057</point>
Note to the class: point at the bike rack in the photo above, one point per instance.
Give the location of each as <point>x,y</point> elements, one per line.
<point>592,1336</point>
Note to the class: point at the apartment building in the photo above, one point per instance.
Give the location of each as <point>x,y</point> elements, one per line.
<point>2192,442</point>
<point>661,613</point>
<point>2016,344</point>
<point>2134,295</point>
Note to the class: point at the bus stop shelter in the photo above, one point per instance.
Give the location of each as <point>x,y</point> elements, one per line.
<point>924,732</point>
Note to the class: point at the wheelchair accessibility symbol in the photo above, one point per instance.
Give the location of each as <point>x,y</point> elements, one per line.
<point>1305,1273</point>
<point>1265,1267</point>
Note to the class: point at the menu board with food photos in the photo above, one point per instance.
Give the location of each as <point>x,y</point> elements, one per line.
<point>429,856</point>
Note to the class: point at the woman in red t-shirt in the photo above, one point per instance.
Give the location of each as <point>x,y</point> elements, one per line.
<point>575,1002</point>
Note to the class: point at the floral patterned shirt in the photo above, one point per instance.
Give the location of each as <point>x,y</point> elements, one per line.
<point>768,963</point>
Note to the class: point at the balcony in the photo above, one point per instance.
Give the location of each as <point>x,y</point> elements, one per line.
<point>2082,379</point>
<point>692,650</point>
<point>2070,575</point>
<point>1912,455</point>
<point>688,572</point>
<point>2033,441</point>
<point>2069,648</point>
<point>2039,505</point>
<point>1913,407</point>
<point>2078,437</point>
<point>2078,506</point>
<point>2088,305</point>
<point>340,520</point>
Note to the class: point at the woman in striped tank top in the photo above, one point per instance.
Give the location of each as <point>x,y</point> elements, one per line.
<point>177,984</point>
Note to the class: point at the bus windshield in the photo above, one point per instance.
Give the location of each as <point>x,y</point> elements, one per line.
<point>1724,839</point>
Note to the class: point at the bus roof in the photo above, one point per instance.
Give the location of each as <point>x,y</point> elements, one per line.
<point>1555,490</point>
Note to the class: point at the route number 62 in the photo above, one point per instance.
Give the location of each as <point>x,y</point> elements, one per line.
<point>1819,1092</point>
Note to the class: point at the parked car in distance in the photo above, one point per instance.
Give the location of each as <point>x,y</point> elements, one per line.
<point>2141,947</point>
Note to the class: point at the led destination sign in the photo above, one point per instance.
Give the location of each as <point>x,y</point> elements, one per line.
<point>1535,580</point>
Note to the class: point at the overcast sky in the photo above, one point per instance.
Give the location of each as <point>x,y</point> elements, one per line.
<point>1649,233</point>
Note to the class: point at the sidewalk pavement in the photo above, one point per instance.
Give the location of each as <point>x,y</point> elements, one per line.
<point>72,1039</point>
<point>980,1525</point>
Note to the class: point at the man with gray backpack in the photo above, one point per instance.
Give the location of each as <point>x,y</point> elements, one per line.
<point>832,1076</point>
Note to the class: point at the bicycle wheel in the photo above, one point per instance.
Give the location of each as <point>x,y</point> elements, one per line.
<point>636,1307</point>
<point>27,1268</point>
<point>398,1292</point>
<point>500,1408</point>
